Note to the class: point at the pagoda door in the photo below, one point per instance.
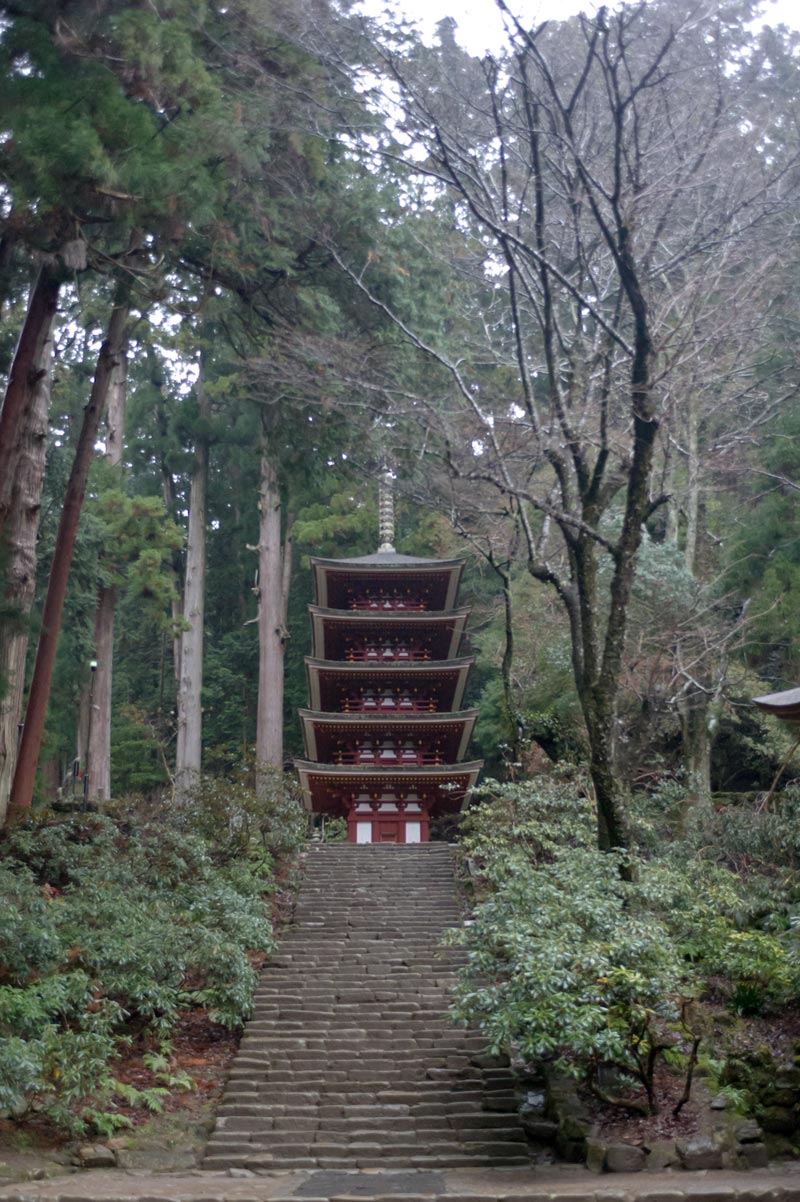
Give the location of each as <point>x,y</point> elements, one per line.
<point>387,830</point>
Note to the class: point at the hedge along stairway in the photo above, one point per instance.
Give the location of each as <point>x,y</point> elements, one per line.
<point>351,1060</point>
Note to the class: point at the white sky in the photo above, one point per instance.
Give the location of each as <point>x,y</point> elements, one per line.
<point>480,27</point>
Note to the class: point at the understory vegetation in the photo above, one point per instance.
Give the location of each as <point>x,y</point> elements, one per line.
<point>576,968</point>
<point>113,927</point>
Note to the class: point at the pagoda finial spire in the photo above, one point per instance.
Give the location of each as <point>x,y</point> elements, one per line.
<point>386,512</point>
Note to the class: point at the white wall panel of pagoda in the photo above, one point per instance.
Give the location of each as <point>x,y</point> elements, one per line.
<point>387,822</point>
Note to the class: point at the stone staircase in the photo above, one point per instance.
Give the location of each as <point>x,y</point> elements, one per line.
<point>351,1060</point>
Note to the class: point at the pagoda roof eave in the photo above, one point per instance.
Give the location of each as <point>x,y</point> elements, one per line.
<point>445,626</point>
<point>316,721</point>
<point>369,668</point>
<point>387,559</point>
<point>309,770</point>
<point>386,564</point>
<point>361,771</point>
<point>388,719</point>
<point>389,615</point>
<point>451,674</point>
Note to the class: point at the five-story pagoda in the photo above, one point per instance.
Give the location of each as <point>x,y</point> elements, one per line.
<point>385,735</point>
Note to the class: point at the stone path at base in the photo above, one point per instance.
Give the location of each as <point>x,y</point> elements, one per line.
<point>540,1184</point>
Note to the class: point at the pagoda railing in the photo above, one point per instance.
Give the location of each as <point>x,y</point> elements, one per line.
<point>389,705</point>
<point>390,759</point>
<point>378,655</point>
<point>415,604</point>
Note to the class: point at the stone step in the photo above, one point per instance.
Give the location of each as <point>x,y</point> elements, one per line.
<point>379,1145</point>
<point>414,1021</point>
<point>454,1111</point>
<point>298,1130</point>
<point>283,1078</point>
<point>413,1096</point>
<point>344,1050</point>
<point>264,1162</point>
<point>310,1132</point>
<point>352,1059</point>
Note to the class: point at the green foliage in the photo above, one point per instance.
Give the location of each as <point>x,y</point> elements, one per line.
<point>583,980</point>
<point>572,964</point>
<point>546,705</point>
<point>764,553</point>
<point>336,830</point>
<point>230,695</point>
<point>134,128</point>
<point>261,827</point>
<point>111,927</point>
<point>535,821</point>
<point>137,753</point>
<point>165,1071</point>
<point>339,524</point>
<point>138,540</point>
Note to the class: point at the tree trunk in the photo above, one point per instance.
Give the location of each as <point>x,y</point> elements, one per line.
<point>98,758</point>
<point>697,710</point>
<point>168,495</point>
<point>22,528</point>
<point>98,748</point>
<point>596,660</point>
<point>110,353</point>
<point>696,739</point>
<point>273,586</point>
<point>22,381</point>
<point>507,663</point>
<point>8,243</point>
<point>611,831</point>
<point>671,506</point>
<point>693,489</point>
<point>176,604</point>
<point>189,750</point>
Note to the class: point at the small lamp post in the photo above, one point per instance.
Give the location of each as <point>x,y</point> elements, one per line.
<point>93,667</point>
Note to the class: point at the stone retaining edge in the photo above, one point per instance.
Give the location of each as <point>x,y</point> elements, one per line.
<point>690,1192</point>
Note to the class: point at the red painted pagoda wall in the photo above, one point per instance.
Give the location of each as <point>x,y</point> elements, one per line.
<point>386,783</point>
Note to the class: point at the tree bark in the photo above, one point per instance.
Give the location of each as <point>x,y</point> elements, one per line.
<point>168,495</point>
<point>693,488</point>
<point>273,588</point>
<point>697,710</point>
<point>513,716</point>
<point>110,353</point>
<point>189,750</point>
<point>22,381</point>
<point>22,528</point>
<point>98,760</point>
<point>611,832</point>
<point>696,739</point>
<point>8,243</point>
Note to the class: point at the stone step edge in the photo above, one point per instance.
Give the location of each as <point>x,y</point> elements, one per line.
<point>235,1187</point>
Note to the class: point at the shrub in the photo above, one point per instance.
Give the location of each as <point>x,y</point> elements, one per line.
<point>561,970</point>
<point>236,821</point>
<point>534,819</point>
<point>110,927</point>
<point>571,964</point>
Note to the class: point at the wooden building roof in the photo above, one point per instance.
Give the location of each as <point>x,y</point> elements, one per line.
<point>785,705</point>
<point>330,789</point>
<point>437,580</point>
<point>445,680</point>
<point>331,628</point>
<point>321,731</point>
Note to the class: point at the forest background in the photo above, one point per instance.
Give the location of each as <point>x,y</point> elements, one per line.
<point>298,290</point>
<point>253,253</point>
